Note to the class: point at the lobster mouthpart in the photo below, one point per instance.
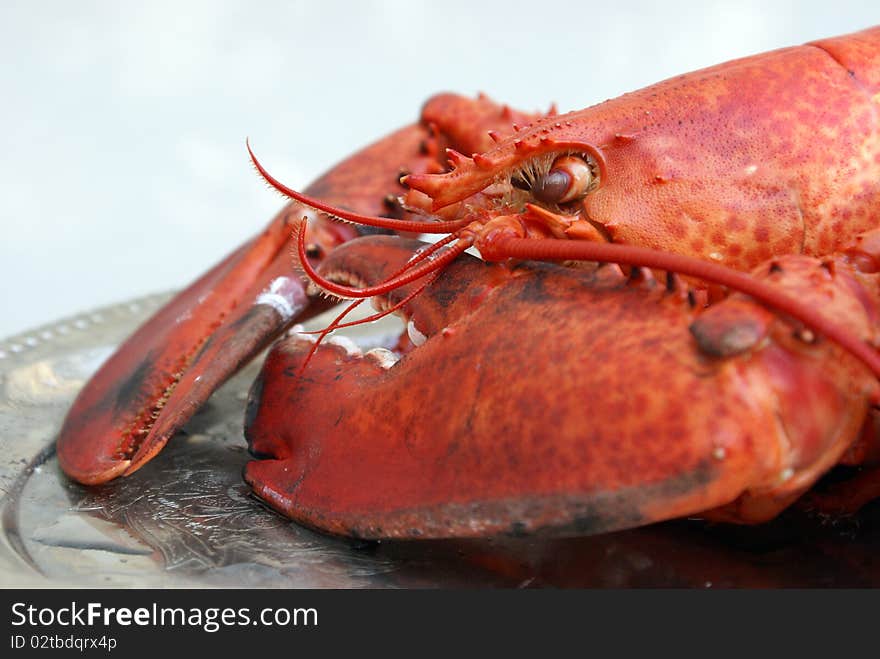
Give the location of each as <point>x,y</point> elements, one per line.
<point>547,399</point>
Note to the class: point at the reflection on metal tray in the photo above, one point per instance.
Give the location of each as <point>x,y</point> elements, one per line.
<point>188,519</point>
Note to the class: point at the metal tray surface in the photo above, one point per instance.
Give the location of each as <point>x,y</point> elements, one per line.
<point>188,520</point>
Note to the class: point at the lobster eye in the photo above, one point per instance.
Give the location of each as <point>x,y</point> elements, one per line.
<point>569,179</point>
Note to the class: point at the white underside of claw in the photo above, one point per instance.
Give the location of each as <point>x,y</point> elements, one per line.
<point>383,357</point>
<point>414,334</point>
<point>350,347</point>
<point>299,332</point>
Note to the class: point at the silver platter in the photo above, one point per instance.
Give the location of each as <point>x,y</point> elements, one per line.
<point>188,520</point>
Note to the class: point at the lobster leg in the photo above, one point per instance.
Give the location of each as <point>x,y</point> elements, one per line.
<point>620,416</point>
<point>162,374</point>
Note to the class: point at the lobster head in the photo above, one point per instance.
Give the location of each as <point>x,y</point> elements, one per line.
<point>720,164</point>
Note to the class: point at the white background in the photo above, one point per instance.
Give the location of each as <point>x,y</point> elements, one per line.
<point>122,124</point>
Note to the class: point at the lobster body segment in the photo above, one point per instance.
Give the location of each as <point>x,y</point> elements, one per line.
<point>856,53</point>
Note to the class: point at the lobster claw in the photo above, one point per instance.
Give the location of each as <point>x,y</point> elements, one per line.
<point>158,378</point>
<point>163,373</point>
<point>543,399</point>
<point>493,425</point>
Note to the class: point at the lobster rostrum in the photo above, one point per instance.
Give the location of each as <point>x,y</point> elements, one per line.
<point>541,396</point>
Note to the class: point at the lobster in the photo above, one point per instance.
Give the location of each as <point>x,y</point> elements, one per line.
<point>675,314</point>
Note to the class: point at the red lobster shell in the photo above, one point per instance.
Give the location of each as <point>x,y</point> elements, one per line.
<point>545,397</point>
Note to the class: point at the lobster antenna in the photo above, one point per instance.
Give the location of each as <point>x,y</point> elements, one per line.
<point>324,332</point>
<point>412,274</point>
<point>336,324</point>
<point>349,216</point>
<point>561,250</point>
<point>420,256</point>
<point>379,314</point>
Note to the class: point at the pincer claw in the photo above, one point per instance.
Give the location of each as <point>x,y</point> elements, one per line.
<point>573,444</point>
